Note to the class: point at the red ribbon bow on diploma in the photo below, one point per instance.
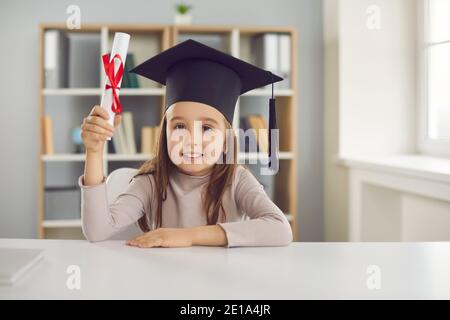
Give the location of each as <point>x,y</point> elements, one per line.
<point>113,79</point>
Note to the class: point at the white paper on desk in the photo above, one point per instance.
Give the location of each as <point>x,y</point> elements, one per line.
<point>119,46</point>
<point>15,263</point>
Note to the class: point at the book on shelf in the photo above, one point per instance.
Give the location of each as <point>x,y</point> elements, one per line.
<point>56,46</point>
<point>263,137</point>
<point>68,59</point>
<point>124,141</point>
<point>84,70</point>
<point>272,51</point>
<point>257,136</point>
<point>128,128</point>
<point>149,139</point>
<point>247,139</point>
<point>130,80</point>
<point>257,122</point>
<point>117,139</point>
<point>285,60</point>
<point>48,135</point>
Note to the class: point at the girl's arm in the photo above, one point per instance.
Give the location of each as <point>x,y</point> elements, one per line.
<point>212,235</point>
<point>100,217</point>
<point>209,236</point>
<point>93,168</point>
<point>268,225</point>
<point>95,130</point>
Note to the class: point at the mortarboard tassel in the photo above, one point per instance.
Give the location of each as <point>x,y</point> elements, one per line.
<point>273,165</point>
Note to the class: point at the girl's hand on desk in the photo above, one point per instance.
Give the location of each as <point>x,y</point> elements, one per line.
<point>163,237</point>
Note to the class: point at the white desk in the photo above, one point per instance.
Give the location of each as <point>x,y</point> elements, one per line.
<point>301,271</point>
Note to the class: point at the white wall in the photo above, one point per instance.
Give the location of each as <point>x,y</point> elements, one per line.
<point>425,219</point>
<point>377,78</point>
<point>369,92</point>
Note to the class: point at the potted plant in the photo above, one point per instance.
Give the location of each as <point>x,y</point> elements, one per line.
<point>182,15</point>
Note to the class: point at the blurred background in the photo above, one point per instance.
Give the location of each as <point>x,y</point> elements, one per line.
<point>364,111</point>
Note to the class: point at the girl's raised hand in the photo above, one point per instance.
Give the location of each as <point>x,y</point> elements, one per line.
<point>95,129</point>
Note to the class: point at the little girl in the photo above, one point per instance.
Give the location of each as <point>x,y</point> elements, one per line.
<point>192,192</point>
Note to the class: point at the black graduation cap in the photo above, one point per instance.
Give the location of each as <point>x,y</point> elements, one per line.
<point>195,72</point>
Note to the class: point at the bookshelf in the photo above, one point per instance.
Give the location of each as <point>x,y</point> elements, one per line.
<point>68,105</point>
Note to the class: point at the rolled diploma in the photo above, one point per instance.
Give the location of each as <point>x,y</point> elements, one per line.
<point>120,46</point>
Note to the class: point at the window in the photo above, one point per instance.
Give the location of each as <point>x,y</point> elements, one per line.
<point>434,115</point>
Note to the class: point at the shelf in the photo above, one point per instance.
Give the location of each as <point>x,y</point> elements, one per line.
<point>128,157</point>
<point>98,92</point>
<point>143,157</point>
<point>72,223</point>
<point>67,157</point>
<point>72,92</point>
<point>142,92</point>
<point>61,188</point>
<point>268,92</point>
<point>261,155</point>
<point>109,157</point>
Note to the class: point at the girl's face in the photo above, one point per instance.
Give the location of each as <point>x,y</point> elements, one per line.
<point>195,136</point>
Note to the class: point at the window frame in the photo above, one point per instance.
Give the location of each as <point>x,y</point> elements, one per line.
<point>425,144</point>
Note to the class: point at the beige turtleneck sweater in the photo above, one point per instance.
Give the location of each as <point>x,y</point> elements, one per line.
<point>252,219</point>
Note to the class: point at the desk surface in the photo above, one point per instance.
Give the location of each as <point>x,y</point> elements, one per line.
<point>300,271</point>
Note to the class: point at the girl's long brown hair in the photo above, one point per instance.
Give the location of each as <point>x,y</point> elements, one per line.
<point>160,166</point>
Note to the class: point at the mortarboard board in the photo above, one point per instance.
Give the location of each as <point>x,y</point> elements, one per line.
<point>192,71</point>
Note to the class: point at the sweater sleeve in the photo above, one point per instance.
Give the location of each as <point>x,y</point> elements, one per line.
<point>268,225</point>
<point>102,219</point>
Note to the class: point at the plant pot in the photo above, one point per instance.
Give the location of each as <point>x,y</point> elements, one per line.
<point>183,18</point>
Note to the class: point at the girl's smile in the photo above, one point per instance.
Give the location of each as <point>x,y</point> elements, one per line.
<point>191,157</point>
